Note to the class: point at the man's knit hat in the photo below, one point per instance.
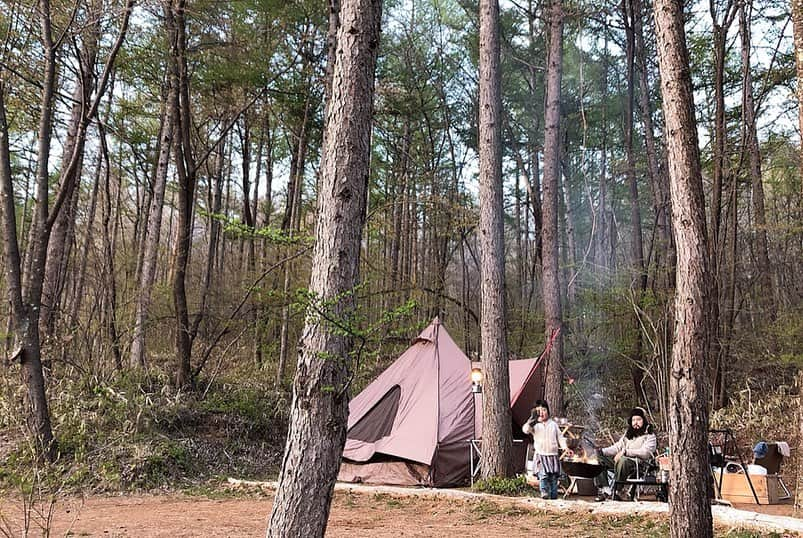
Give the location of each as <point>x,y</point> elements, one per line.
<point>638,412</point>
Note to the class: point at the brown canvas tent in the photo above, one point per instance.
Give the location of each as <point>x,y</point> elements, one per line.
<point>411,426</point>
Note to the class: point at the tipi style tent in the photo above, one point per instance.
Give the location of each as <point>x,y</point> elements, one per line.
<point>411,425</point>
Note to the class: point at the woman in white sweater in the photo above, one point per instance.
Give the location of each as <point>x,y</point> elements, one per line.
<point>547,441</point>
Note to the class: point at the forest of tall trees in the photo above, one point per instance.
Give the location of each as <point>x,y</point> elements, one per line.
<point>170,169</point>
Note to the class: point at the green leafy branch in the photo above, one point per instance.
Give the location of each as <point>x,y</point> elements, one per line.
<point>350,323</point>
<point>235,227</point>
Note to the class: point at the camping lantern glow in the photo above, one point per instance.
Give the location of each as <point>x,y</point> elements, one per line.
<point>476,380</point>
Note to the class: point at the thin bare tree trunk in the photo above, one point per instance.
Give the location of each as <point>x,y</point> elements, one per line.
<point>534,188</point>
<point>637,247</point>
<point>250,220</point>
<point>603,244</point>
<point>24,322</point>
<point>398,207</point>
<point>284,331</point>
<point>268,177</point>
<point>720,390</point>
<point>721,172</point>
<point>465,289</point>
<point>216,179</point>
<point>572,266</point>
<point>319,409</point>
<point>689,509</point>
<point>766,289</point>
<point>83,255</point>
<point>720,35</point>
<point>553,313</point>
<point>174,11</point>
<point>153,233</point>
<point>520,237</point>
<point>108,271</point>
<point>665,253</point>
<point>62,236</point>
<point>291,223</point>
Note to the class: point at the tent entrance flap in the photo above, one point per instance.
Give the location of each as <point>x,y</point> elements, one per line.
<point>378,422</point>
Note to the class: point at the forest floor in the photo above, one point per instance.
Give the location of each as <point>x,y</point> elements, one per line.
<point>381,512</point>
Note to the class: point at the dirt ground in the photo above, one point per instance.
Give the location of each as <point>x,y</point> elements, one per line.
<point>379,515</point>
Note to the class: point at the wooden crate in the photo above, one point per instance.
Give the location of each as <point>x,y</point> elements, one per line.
<point>736,489</point>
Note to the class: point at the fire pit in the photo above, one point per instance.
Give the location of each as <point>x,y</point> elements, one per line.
<point>582,469</point>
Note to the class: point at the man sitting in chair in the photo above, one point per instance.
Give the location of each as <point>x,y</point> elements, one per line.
<point>634,449</point>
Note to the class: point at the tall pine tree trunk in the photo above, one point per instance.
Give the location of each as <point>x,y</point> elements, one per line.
<point>496,434</point>
<point>690,512</point>
<point>553,314</point>
<point>319,410</point>
<point>797,25</point>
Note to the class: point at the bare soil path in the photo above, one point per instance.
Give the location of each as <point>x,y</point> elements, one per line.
<point>379,512</point>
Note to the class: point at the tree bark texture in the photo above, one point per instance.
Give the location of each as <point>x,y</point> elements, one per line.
<point>496,434</point>
<point>319,408</point>
<point>797,30</point>
<point>690,512</point>
<point>553,313</point>
<point>799,488</point>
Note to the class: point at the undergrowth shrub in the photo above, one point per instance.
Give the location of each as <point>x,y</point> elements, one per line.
<point>132,433</point>
<point>511,487</point>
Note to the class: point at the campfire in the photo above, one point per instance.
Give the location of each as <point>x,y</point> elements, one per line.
<point>584,452</point>
<point>584,462</point>
<point>583,458</point>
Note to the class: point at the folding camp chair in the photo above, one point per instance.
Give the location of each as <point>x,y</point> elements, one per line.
<point>645,475</point>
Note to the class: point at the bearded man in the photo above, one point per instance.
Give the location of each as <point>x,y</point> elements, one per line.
<point>633,449</point>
